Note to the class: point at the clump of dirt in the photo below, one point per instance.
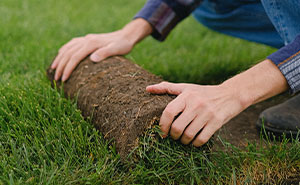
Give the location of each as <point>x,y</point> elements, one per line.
<point>112,93</point>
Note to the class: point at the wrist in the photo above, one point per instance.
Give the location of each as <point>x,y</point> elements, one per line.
<point>136,30</point>
<point>258,83</point>
<point>237,91</point>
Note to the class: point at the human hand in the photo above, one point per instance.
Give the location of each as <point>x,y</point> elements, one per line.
<point>202,109</point>
<point>100,46</point>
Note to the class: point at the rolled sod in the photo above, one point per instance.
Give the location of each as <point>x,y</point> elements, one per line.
<point>113,94</point>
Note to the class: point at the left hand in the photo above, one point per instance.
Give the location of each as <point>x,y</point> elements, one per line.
<point>204,109</point>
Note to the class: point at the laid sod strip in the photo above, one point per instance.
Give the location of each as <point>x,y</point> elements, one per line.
<point>113,94</point>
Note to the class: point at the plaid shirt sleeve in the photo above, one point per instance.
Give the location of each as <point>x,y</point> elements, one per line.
<point>164,15</point>
<point>287,59</point>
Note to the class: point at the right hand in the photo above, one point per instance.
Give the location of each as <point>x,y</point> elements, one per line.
<point>100,46</point>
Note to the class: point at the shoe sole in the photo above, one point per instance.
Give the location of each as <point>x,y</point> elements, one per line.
<point>278,133</point>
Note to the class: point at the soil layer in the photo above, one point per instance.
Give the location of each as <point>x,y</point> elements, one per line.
<point>112,93</point>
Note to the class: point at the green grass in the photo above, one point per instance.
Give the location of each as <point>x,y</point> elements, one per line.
<point>44,139</point>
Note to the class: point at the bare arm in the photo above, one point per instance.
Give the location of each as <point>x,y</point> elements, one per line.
<point>208,108</point>
<point>137,30</point>
<point>259,83</point>
<point>100,46</point>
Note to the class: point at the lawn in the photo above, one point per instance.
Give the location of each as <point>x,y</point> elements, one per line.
<point>45,140</point>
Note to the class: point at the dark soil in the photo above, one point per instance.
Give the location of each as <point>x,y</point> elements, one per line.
<point>242,129</point>
<point>112,93</point>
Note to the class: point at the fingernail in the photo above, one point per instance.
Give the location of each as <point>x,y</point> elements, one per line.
<point>56,77</point>
<point>149,87</point>
<point>95,58</point>
<point>63,78</point>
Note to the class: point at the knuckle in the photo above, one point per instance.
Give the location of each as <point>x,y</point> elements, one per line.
<point>202,140</point>
<point>192,95</point>
<point>89,40</point>
<point>66,57</point>
<point>89,36</point>
<point>218,119</point>
<point>169,111</point>
<point>104,53</point>
<point>63,49</point>
<point>176,130</point>
<point>200,104</point>
<point>189,135</point>
<point>164,83</point>
<point>217,126</point>
<point>59,69</point>
<point>60,50</point>
<point>75,39</point>
<point>196,104</point>
<point>211,113</point>
<point>74,58</point>
<point>91,43</point>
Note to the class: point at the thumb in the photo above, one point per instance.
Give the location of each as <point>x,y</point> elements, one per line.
<point>165,87</point>
<point>101,54</point>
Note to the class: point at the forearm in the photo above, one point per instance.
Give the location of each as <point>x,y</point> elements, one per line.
<point>137,30</point>
<point>205,109</point>
<point>258,83</point>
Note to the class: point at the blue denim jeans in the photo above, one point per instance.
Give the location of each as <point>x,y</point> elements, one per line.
<point>270,22</point>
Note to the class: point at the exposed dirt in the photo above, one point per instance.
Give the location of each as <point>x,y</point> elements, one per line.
<point>241,129</point>
<point>112,92</point>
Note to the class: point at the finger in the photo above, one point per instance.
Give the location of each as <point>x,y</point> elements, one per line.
<point>74,61</point>
<point>173,109</point>
<point>102,54</point>
<point>57,60</point>
<point>208,130</point>
<point>69,44</point>
<point>192,130</point>
<point>64,61</point>
<point>166,87</point>
<point>61,53</point>
<point>179,125</point>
